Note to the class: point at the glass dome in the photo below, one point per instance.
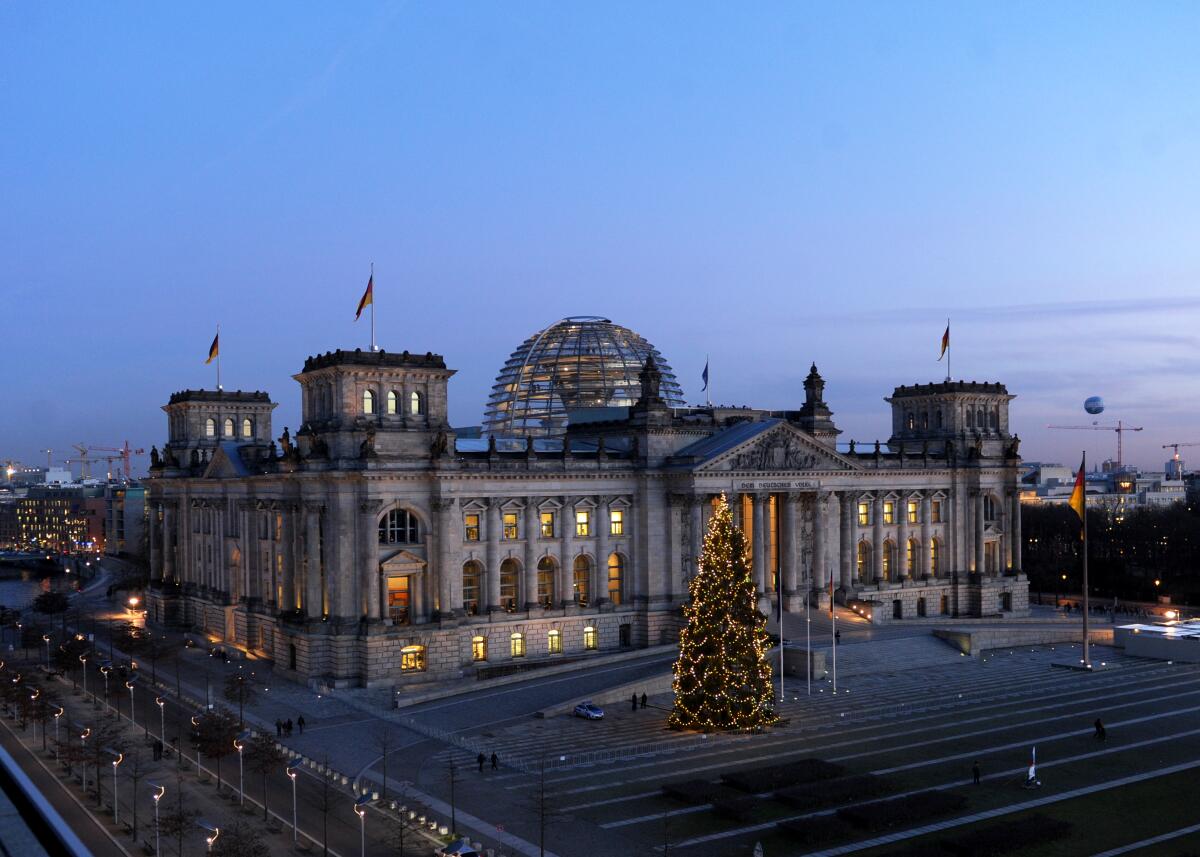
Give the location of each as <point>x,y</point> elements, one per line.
<point>579,362</point>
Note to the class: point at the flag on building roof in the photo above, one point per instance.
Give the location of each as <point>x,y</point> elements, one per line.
<point>945,341</point>
<point>367,298</point>
<point>1078,495</point>
<point>704,377</point>
<point>214,349</point>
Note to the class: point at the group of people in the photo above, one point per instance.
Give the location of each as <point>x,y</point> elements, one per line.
<point>284,727</point>
<point>482,758</point>
<point>635,701</point>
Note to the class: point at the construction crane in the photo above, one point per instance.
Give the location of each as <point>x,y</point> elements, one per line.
<point>1175,457</point>
<point>49,463</point>
<point>125,454</point>
<point>85,466</point>
<point>1120,428</point>
<point>108,461</point>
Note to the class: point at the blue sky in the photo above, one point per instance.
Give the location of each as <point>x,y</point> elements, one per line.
<point>769,184</point>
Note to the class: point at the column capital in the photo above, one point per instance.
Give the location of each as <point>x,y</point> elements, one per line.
<point>314,508</point>
<point>444,504</point>
<point>369,506</point>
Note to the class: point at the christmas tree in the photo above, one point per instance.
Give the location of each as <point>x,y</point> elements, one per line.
<point>722,679</point>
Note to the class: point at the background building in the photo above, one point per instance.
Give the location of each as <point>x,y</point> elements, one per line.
<point>62,518</point>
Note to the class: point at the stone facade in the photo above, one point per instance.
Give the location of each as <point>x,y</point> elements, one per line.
<point>373,548</point>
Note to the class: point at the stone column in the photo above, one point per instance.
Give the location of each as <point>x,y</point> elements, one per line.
<point>1015,530</point>
<point>492,554</point>
<point>169,541</point>
<point>902,537</point>
<point>760,545</point>
<point>789,533</point>
<point>446,573</point>
<point>877,538</point>
<point>1005,515</point>
<point>155,536</point>
<point>289,557</point>
<point>599,594</point>
<point>849,549</point>
<point>677,510</point>
<point>314,601</point>
<point>370,599</point>
<point>566,565</point>
<point>696,536</point>
<point>926,535</point>
<point>819,579</point>
<point>530,514</point>
<point>978,498</point>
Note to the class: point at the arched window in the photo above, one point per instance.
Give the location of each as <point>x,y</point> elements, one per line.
<point>368,402</point>
<point>228,427</point>
<point>889,560</point>
<point>989,507</point>
<point>545,581</point>
<point>590,638</point>
<point>970,418</point>
<point>981,419</point>
<point>616,577</point>
<point>398,527</point>
<point>864,559</point>
<point>935,550</point>
<point>554,641</point>
<point>995,418</point>
<point>910,558</point>
<point>391,401</point>
<point>910,421</point>
<point>582,579</point>
<point>210,427</point>
<point>925,421</point>
<point>416,403</point>
<point>938,418</point>
<point>517,644</point>
<point>472,578</point>
<point>479,648</point>
<point>510,572</point>
<point>247,427</point>
<point>412,659</point>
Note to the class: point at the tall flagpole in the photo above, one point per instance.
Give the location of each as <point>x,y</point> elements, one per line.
<point>218,358</point>
<point>1087,657</point>
<point>808,629</point>
<point>372,306</point>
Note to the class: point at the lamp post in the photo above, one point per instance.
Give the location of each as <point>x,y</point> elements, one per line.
<point>292,768</point>
<point>162,719</point>
<point>57,714</point>
<point>159,791</point>
<point>105,669</point>
<point>239,744</point>
<point>46,640</point>
<point>360,809</point>
<point>213,831</point>
<point>120,757</point>
<point>83,659</point>
<point>33,698</point>
<point>132,717</point>
<point>195,726</point>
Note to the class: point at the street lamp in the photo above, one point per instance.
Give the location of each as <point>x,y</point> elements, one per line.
<point>46,640</point>
<point>360,808</point>
<point>195,729</point>
<point>57,714</point>
<point>159,791</point>
<point>162,719</point>
<point>212,829</point>
<point>120,757</point>
<point>132,718</point>
<point>83,659</point>
<point>292,768</point>
<point>105,669</point>
<point>239,744</point>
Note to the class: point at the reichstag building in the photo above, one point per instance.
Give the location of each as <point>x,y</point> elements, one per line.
<point>376,547</point>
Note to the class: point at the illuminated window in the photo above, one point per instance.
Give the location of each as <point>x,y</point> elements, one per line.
<point>864,514</point>
<point>914,512</point>
<point>278,527</point>
<point>479,648</point>
<point>397,597</point>
<point>247,427</point>
<point>545,581</point>
<point>934,556</point>
<point>368,402</point>
<point>616,523</point>
<point>412,659</point>
<point>517,645</point>
<point>547,525</point>
<point>589,638</point>
<point>472,578</point>
<point>889,559</point>
<point>864,559</point>
<point>935,511</point>
<point>509,572</point>
<point>583,523</point>
<point>910,557</point>
<point>228,426</point>
<point>510,525</point>
<point>616,577</point>
<point>910,422</point>
<point>391,401</point>
<point>554,642</point>
<point>582,574</point>
<point>398,527</point>
<point>471,527</point>
<point>416,403</point>
<point>889,512</point>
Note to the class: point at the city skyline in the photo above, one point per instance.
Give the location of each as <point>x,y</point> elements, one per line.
<point>765,188</point>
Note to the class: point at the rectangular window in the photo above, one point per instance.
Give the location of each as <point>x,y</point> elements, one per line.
<point>510,525</point>
<point>889,512</point>
<point>914,512</point>
<point>864,514</point>
<point>547,525</point>
<point>517,648</point>
<point>590,640</point>
<point>397,595</point>
<point>471,527</point>
<point>479,648</point>
<point>554,640</point>
<point>412,659</point>
<point>935,511</point>
<point>616,524</point>
<point>278,527</point>
<point>583,523</point>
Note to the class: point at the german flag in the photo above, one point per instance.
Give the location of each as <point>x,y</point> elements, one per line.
<point>214,349</point>
<point>1078,500</point>
<point>367,298</point>
<point>945,342</point>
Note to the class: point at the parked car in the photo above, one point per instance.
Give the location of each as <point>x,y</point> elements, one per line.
<point>589,711</point>
<point>458,848</point>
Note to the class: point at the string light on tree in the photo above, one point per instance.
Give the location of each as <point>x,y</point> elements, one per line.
<point>722,678</point>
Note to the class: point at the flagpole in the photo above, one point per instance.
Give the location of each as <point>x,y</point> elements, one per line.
<point>372,306</point>
<point>1087,658</point>
<point>808,631</point>
<point>218,358</point>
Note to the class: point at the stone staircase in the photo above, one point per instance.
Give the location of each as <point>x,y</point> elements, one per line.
<point>891,655</point>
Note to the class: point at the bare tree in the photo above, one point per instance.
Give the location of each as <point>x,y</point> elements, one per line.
<point>177,821</point>
<point>325,804</point>
<point>401,831</point>
<point>135,771</point>
<point>240,840</point>
<point>262,757</point>
<point>385,743</point>
<point>239,689</point>
<point>214,737</point>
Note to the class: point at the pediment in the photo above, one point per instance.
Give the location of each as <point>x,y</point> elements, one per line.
<point>402,562</point>
<point>225,463</point>
<point>778,449</point>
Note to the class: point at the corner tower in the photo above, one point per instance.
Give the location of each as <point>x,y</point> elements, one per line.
<point>968,414</point>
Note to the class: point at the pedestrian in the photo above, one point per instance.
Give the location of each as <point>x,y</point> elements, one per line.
<point>643,700</point>
<point>300,723</point>
<point>1101,732</point>
<point>837,636</point>
<point>278,728</point>
<point>495,762</point>
<point>480,759</point>
<point>635,702</point>
<point>975,772</point>
<point>288,726</point>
